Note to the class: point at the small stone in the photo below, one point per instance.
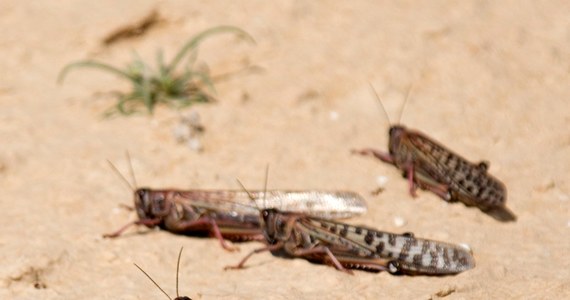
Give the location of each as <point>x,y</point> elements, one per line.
<point>381,181</point>
<point>195,144</point>
<point>181,132</point>
<point>333,115</point>
<point>399,221</point>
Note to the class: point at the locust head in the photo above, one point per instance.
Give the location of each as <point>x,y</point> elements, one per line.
<point>396,134</point>
<point>150,205</point>
<point>271,223</point>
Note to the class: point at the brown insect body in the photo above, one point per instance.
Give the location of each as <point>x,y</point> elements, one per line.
<point>227,214</point>
<point>176,211</point>
<point>431,166</point>
<point>459,179</point>
<point>355,247</point>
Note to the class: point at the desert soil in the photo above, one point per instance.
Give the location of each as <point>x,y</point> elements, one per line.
<point>491,81</point>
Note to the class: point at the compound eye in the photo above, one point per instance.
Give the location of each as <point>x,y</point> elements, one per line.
<point>393,267</point>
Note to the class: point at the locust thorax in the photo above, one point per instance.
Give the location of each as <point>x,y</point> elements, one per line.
<point>395,134</point>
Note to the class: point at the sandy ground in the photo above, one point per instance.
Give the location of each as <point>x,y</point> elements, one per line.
<point>491,82</point>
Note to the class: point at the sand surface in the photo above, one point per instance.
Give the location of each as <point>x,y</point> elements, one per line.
<point>491,81</point>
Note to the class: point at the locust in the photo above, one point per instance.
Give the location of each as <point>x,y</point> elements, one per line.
<point>178,297</point>
<point>349,247</point>
<point>429,165</point>
<point>221,213</point>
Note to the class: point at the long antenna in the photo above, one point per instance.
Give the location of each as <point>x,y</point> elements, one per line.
<point>131,169</point>
<point>408,93</point>
<point>265,187</point>
<point>129,185</point>
<point>177,269</point>
<point>379,101</point>
<point>158,286</point>
<point>251,197</point>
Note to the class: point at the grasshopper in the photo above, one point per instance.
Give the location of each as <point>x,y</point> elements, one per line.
<point>356,247</point>
<point>219,213</point>
<point>429,165</point>
<point>178,297</point>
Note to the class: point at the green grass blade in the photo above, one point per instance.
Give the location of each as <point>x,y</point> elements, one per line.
<point>195,41</point>
<point>91,64</point>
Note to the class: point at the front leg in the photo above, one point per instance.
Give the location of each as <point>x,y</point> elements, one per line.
<point>146,222</point>
<point>241,264</point>
<point>383,156</point>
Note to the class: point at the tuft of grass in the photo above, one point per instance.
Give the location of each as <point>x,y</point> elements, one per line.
<point>165,85</point>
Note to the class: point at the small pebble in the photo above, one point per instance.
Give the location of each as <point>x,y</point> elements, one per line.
<point>333,115</point>
<point>188,131</point>
<point>399,221</point>
<point>381,181</point>
<point>195,144</point>
<point>181,132</point>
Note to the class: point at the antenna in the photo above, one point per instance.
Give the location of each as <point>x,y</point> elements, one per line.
<point>408,93</point>
<point>131,168</point>
<point>379,101</point>
<point>265,187</point>
<point>251,197</point>
<point>158,286</point>
<point>177,269</point>
<point>129,185</point>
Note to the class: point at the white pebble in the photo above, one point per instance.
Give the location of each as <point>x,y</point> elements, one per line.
<point>399,221</point>
<point>181,133</point>
<point>381,181</point>
<point>195,144</point>
<point>333,115</point>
